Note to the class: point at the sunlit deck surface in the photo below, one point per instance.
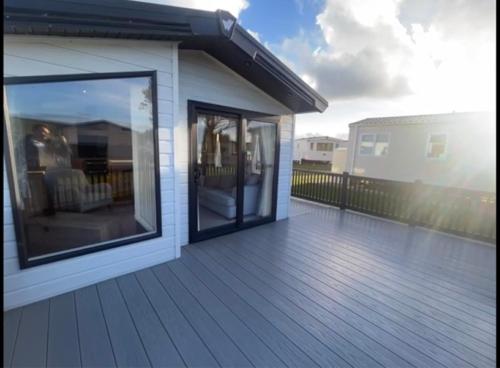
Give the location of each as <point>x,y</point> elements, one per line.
<point>323,288</point>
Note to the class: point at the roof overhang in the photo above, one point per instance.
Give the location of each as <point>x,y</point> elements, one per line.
<point>216,33</point>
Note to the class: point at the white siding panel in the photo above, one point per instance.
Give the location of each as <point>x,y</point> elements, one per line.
<point>285,169</point>
<point>164,79</point>
<point>117,53</point>
<point>48,272</point>
<point>29,55</point>
<point>202,78</point>
<point>9,249</point>
<point>16,66</point>
<point>74,280</point>
<point>6,198</point>
<point>8,233</point>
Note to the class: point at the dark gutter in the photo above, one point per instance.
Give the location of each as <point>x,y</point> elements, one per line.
<point>216,33</point>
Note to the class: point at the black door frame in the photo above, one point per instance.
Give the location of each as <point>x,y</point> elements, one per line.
<point>195,107</point>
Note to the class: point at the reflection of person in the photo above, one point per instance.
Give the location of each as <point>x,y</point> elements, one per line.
<point>45,150</point>
<point>44,141</point>
<point>33,143</point>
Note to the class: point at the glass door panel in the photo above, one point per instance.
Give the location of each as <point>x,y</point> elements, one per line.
<point>260,151</point>
<point>215,171</point>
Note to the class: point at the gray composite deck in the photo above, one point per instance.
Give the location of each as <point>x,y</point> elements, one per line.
<point>324,288</point>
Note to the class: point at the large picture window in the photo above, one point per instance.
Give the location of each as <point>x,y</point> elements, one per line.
<point>83,162</point>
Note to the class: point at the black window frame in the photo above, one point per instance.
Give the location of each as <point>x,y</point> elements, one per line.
<point>24,261</point>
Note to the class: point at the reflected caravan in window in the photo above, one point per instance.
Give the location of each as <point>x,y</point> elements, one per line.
<point>327,147</point>
<point>83,163</point>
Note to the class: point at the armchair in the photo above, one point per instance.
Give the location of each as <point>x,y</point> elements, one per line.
<point>70,190</point>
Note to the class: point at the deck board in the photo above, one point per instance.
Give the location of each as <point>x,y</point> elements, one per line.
<point>317,235</point>
<point>251,346</point>
<point>419,249</point>
<point>127,345</point>
<point>400,250</point>
<point>323,288</point>
<point>323,354</point>
<point>63,346</point>
<point>479,318</point>
<point>349,308</point>
<point>291,354</point>
<point>95,345</point>
<point>31,344</point>
<point>380,303</point>
<point>222,347</point>
<point>355,354</point>
<point>10,327</point>
<point>414,281</point>
<point>158,345</point>
<point>324,269</point>
<point>191,347</point>
<point>295,305</point>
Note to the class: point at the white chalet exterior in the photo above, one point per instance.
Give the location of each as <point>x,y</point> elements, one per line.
<point>133,129</point>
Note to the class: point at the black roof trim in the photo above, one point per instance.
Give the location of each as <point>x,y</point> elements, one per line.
<point>216,33</point>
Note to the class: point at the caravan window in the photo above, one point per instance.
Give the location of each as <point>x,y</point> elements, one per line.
<point>328,147</point>
<point>374,144</point>
<point>436,146</point>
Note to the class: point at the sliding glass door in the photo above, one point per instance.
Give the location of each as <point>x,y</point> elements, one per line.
<point>215,171</point>
<point>233,167</point>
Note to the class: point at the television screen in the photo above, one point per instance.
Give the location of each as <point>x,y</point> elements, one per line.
<point>92,146</point>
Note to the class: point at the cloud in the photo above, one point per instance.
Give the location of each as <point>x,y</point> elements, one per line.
<point>345,75</point>
<point>386,49</point>
<point>453,18</point>
<point>235,7</point>
<point>254,34</point>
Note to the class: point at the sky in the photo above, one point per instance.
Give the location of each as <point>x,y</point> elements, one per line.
<point>84,100</point>
<point>378,57</point>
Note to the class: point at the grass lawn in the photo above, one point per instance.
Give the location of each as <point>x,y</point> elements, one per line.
<point>327,167</point>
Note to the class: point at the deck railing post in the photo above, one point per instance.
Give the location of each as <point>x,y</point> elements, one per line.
<point>414,202</point>
<point>343,191</point>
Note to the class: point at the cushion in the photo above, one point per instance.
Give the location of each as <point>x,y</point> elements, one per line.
<point>252,179</point>
<point>207,195</point>
<point>227,181</point>
<point>211,181</point>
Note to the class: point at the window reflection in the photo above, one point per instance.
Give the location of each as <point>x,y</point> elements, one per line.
<point>83,161</point>
<point>259,170</point>
<point>216,171</point>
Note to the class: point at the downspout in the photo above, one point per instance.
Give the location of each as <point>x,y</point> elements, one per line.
<point>175,148</point>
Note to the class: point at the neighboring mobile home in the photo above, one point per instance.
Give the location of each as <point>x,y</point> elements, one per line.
<point>317,149</point>
<point>132,129</point>
<point>452,150</point>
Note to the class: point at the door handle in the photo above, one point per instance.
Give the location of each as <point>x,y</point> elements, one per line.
<point>197,174</point>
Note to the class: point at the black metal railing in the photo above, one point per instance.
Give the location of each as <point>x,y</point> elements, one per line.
<point>463,212</point>
<point>212,170</point>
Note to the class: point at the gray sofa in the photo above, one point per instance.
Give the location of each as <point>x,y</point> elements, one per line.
<point>69,190</point>
<point>218,194</point>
